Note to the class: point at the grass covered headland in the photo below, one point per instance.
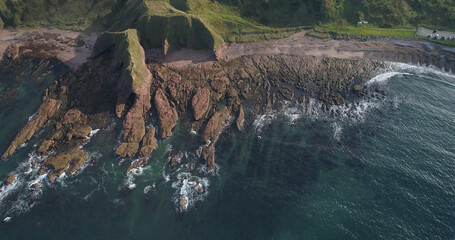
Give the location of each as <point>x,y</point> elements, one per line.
<point>207,23</point>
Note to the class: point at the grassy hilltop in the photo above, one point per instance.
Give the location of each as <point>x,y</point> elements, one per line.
<point>207,23</point>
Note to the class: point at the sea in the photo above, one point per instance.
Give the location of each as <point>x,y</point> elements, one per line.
<point>377,169</point>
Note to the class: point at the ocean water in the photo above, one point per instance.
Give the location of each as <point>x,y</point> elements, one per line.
<point>383,170</point>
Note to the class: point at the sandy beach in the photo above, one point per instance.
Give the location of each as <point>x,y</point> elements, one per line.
<point>383,49</point>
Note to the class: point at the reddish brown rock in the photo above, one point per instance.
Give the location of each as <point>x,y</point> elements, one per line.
<point>126,149</point>
<point>148,143</point>
<point>216,125</point>
<point>10,180</point>
<point>166,113</point>
<point>208,154</point>
<point>69,162</point>
<point>45,145</point>
<point>47,109</point>
<point>136,164</point>
<point>219,84</point>
<point>81,132</point>
<point>133,127</point>
<point>200,103</point>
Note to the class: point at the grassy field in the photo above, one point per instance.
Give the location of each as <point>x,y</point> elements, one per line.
<point>365,30</point>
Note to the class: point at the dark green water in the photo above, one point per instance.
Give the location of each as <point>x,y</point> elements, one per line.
<point>387,173</point>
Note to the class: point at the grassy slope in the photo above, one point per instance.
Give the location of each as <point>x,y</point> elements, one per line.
<point>207,23</point>
<point>129,50</point>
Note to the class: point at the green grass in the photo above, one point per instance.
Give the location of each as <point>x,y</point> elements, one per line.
<point>129,50</point>
<point>443,42</point>
<point>365,30</point>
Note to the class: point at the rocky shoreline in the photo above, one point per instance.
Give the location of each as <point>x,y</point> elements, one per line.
<point>210,97</point>
<point>150,98</point>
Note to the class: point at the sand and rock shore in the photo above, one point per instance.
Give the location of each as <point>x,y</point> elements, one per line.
<point>120,82</point>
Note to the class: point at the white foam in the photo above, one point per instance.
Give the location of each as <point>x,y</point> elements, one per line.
<point>189,188</point>
<point>31,117</point>
<point>383,78</point>
<point>93,132</point>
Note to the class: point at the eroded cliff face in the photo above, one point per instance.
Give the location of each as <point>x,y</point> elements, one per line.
<point>209,98</point>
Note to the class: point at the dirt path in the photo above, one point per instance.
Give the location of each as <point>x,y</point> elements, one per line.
<point>396,50</point>
<point>71,47</point>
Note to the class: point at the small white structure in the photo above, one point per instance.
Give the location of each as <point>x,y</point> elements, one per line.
<point>362,22</point>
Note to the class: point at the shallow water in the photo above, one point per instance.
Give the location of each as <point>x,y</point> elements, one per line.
<point>388,174</point>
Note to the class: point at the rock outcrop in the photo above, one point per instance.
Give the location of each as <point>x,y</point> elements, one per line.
<point>201,103</point>
<point>148,143</point>
<point>47,109</point>
<point>216,125</point>
<point>66,162</point>
<point>211,133</point>
<point>167,114</point>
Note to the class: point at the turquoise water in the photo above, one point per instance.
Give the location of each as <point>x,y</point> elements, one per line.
<point>388,173</point>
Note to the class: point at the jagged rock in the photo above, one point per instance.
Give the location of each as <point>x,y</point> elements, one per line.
<point>240,119</point>
<point>219,84</point>
<point>126,149</point>
<point>136,164</point>
<point>10,180</point>
<point>215,125</point>
<point>200,103</point>
<point>81,132</point>
<point>166,113</point>
<point>45,145</point>
<point>73,116</point>
<point>36,185</point>
<point>45,111</point>
<point>148,143</point>
<point>69,162</point>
